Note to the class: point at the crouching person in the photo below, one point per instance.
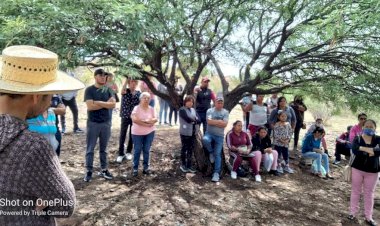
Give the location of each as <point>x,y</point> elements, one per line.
<point>217,120</point>
<point>239,146</point>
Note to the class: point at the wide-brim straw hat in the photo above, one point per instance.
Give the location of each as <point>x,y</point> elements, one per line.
<point>33,70</point>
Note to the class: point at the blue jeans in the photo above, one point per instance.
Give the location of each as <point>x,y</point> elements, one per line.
<point>142,142</point>
<point>94,131</point>
<point>214,145</point>
<point>203,119</point>
<point>318,157</point>
<point>164,107</point>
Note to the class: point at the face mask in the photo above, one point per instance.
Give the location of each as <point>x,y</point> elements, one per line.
<point>368,131</point>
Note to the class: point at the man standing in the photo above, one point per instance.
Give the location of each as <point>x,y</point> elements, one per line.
<point>100,102</point>
<point>30,169</point>
<point>69,100</point>
<point>217,120</point>
<point>129,99</point>
<point>203,101</point>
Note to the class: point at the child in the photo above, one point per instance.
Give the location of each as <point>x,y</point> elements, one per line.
<point>282,133</point>
<point>319,123</point>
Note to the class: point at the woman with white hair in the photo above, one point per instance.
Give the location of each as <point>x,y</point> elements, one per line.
<point>143,119</point>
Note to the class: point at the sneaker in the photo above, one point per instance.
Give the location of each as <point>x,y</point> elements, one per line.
<point>234,175</point>
<point>215,177</point>
<point>78,130</point>
<point>288,169</point>
<point>88,176</point>
<point>258,178</point>
<point>336,162</point>
<point>351,217</point>
<point>280,170</point>
<point>63,131</point>
<point>129,156</point>
<point>147,172</point>
<point>106,174</point>
<point>212,158</point>
<point>328,176</point>
<point>191,170</point>
<point>135,173</point>
<point>184,169</point>
<point>120,158</point>
<point>274,172</point>
<point>370,222</point>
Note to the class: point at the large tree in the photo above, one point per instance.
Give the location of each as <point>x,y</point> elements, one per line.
<point>326,47</point>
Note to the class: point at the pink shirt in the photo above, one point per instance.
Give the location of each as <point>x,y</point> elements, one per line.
<point>145,87</point>
<point>355,130</point>
<point>143,115</point>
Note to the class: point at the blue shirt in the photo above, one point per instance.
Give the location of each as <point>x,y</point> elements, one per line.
<point>310,143</point>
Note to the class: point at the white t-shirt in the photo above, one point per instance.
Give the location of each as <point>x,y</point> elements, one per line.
<point>258,115</point>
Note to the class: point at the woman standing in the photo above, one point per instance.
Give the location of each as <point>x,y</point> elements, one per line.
<point>365,170</point>
<point>143,118</point>
<point>282,105</point>
<point>189,126</point>
<point>299,109</point>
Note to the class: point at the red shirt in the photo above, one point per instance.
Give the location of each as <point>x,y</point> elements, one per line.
<point>232,139</point>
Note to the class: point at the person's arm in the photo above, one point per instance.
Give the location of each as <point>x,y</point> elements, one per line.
<point>47,181</point>
<point>249,142</point>
<point>307,145</point>
<point>353,132</point>
<point>136,119</point>
<point>60,109</point>
<point>229,142</point>
<point>360,150</point>
<point>342,138</point>
<point>248,107</point>
<point>152,120</point>
<point>124,87</point>
<point>272,118</point>
<point>184,116</point>
<point>293,119</point>
<point>302,107</point>
<point>110,104</point>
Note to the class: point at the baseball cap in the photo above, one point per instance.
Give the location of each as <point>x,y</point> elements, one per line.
<point>219,98</point>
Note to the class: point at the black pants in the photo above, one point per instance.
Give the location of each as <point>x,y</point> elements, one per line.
<point>72,104</point>
<point>246,120</point>
<point>341,149</point>
<point>175,111</point>
<point>203,118</point>
<point>58,136</point>
<point>187,150</point>
<point>297,134</point>
<point>125,123</point>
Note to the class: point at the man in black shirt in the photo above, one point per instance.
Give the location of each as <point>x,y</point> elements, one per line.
<point>203,101</point>
<point>100,101</point>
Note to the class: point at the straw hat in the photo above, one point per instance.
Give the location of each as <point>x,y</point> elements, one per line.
<point>33,70</point>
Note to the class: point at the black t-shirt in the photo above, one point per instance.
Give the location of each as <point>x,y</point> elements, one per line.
<point>55,101</point>
<point>98,94</point>
<point>203,100</point>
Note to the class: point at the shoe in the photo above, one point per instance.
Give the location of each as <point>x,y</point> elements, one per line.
<point>191,170</point>
<point>184,169</point>
<point>106,174</point>
<point>212,158</point>
<point>351,217</point>
<point>280,170</point>
<point>288,169</point>
<point>147,172</point>
<point>370,222</point>
<point>320,176</point>
<point>78,130</point>
<point>166,123</point>
<point>88,176</point>
<point>135,173</point>
<point>328,176</point>
<point>234,175</point>
<point>274,172</point>
<point>336,162</point>
<point>120,158</point>
<point>63,131</point>
<point>215,177</point>
<point>129,156</point>
<point>258,178</point>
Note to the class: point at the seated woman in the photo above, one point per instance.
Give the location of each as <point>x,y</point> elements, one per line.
<point>239,144</point>
<point>261,144</point>
<point>311,149</point>
<point>342,146</point>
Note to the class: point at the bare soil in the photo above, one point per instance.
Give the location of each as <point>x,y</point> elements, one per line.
<point>170,197</point>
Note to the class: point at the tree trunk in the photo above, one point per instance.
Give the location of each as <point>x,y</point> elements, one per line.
<point>201,156</point>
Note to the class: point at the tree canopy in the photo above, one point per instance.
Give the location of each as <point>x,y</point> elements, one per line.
<point>326,48</point>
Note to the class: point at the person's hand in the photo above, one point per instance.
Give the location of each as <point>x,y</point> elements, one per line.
<point>40,207</point>
<point>124,91</point>
<point>268,150</point>
<point>112,99</point>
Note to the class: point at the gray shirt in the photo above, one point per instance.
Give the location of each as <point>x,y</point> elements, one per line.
<point>214,114</point>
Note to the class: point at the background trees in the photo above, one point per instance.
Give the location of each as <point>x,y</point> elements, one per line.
<point>328,49</point>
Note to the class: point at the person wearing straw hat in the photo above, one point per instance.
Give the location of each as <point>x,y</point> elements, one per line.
<point>33,183</point>
<point>100,101</point>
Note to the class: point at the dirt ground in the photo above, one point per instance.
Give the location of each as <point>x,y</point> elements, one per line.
<point>170,197</point>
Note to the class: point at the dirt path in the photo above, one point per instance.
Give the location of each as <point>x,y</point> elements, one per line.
<point>172,198</point>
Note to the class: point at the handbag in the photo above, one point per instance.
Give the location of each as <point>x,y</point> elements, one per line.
<point>347,171</point>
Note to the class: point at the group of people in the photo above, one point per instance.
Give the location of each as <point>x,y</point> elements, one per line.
<point>30,140</point>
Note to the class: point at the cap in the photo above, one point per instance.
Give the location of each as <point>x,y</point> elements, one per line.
<point>219,98</point>
<point>205,79</point>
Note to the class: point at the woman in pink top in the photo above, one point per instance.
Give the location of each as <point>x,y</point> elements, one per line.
<point>356,130</point>
<point>143,119</point>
